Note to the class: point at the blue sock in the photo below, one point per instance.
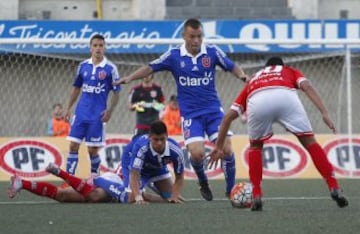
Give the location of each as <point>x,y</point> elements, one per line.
<point>72,162</point>
<point>199,170</point>
<point>229,168</point>
<point>95,163</point>
<point>115,190</point>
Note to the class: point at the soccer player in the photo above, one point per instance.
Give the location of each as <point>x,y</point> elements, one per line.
<point>147,99</point>
<point>193,68</point>
<point>147,163</point>
<point>94,80</point>
<point>270,96</point>
<point>80,191</point>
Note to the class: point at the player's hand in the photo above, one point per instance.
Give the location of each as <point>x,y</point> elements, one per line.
<point>139,200</point>
<point>67,116</point>
<point>244,77</point>
<point>327,120</point>
<point>214,156</point>
<point>157,105</point>
<point>175,200</point>
<point>139,106</point>
<point>105,116</point>
<point>124,80</point>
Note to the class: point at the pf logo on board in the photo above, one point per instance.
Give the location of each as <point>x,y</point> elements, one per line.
<point>344,155</point>
<point>281,158</point>
<point>111,154</point>
<point>28,158</point>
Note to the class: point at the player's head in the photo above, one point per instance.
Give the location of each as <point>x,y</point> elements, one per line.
<point>97,46</point>
<point>158,136</point>
<point>273,61</point>
<point>58,111</point>
<point>193,35</point>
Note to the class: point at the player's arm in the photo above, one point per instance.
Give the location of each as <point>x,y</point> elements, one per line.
<point>135,187</point>
<point>138,74</point>
<point>239,73</point>
<point>315,98</point>
<point>75,92</point>
<point>177,188</point>
<point>113,102</point>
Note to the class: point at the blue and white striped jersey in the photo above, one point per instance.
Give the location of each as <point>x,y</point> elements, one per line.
<point>95,83</point>
<point>195,77</point>
<point>145,160</point>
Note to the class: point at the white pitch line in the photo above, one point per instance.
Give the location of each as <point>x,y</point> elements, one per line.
<point>187,200</point>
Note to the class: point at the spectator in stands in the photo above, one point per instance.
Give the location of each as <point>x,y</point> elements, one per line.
<point>94,80</point>
<point>270,97</point>
<point>147,100</point>
<point>58,126</point>
<point>171,116</point>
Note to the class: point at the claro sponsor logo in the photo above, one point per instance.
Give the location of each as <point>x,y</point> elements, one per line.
<point>189,172</point>
<point>344,155</point>
<point>28,158</point>
<point>281,158</point>
<point>111,154</point>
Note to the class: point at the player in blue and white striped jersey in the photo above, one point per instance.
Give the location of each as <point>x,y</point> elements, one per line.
<point>147,163</point>
<point>94,80</point>
<point>193,68</point>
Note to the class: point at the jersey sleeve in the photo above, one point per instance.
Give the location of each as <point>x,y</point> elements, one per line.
<point>223,60</point>
<point>297,76</point>
<point>162,63</point>
<point>78,81</point>
<point>177,158</point>
<point>239,105</point>
<point>137,160</point>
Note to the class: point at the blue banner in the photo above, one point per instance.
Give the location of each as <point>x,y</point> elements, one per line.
<point>243,29</point>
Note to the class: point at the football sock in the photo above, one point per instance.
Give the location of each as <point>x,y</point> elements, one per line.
<point>199,170</point>
<point>115,190</point>
<point>228,166</point>
<point>43,189</point>
<point>323,165</point>
<point>255,170</point>
<point>76,183</point>
<point>95,164</point>
<point>72,162</point>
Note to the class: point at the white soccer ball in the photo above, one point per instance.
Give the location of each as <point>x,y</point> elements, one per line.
<point>241,195</point>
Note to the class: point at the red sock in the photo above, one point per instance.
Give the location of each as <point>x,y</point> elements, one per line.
<point>78,184</point>
<point>255,170</point>
<point>323,165</point>
<point>43,189</point>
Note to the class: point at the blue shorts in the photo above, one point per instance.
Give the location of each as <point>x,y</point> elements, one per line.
<point>194,129</point>
<point>93,132</point>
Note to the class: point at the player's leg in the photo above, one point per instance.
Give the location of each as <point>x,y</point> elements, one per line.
<point>228,162</point>
<point>95,138</point>
<point>79,185</point>
<point>43,189</point>
<point>256,173</point>
<point>113,186</point>
<point>77,133</point>
<point>194,137</point>
<point>324,167</point>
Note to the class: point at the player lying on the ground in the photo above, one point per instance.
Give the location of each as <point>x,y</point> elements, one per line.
<point>81,190</point>
<point>146,162</point>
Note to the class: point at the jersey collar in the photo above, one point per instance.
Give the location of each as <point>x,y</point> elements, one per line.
<point>184,52</point>
<point>101,64</point>
<point>166,151</point>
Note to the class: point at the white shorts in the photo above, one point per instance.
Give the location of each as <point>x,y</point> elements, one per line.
<point>276,105</point>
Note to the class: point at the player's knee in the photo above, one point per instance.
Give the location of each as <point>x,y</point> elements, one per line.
<point>166,195</point>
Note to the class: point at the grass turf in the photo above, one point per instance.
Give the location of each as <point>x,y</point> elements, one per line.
<point>291,206</point>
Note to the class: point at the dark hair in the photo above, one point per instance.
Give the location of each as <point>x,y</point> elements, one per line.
<point>274,61</point>
<point>158,127</point>
<point>57,105</point>
<point>193,23</point>
<point>97,36</point>
<point>173,98</point>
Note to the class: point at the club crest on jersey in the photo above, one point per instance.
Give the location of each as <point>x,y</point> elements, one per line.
<point>102,75</point>
<point>153,93</point>
<point>206,62</point>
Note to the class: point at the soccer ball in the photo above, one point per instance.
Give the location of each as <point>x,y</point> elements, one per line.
<point>241,195</point>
